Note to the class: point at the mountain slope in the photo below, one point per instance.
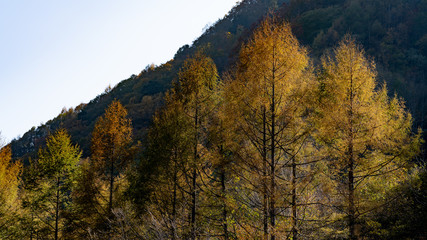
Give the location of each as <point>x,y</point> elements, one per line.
<point>142,94</point>
<point>393,33</point>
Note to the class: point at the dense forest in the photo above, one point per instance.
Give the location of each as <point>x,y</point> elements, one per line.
<point>298,119</point>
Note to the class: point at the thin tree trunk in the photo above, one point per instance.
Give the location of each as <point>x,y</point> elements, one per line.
<point>175,179</point>
<point>272,189</point>
<point>193,194</point>
<point>193,206</point>
<point>57,209</point>
<point>272,149</point>
<point>110,203</point>
<point>32,228</point>
<point>351,205</point>
<point>264,173</point>
<point>294,201</point>
<point>224,205</point>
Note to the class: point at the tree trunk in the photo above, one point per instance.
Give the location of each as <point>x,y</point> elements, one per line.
<point>272,162</point>
<point>32,228</point>
<point>224,205</point>
<point>193,193</point>
<point>110,203</point>
<point>175,179</point>
<point>294,201</point>
<point>57,209</point>
<point>351,205</point>
<point>264,173</point>
<point>193,207</point>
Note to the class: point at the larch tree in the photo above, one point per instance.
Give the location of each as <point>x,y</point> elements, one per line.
<point>56,168</point>
<point>220,151</point>
<point>220,179</point>
<point>85,208</point>
<point>195,90</point>
<point>111,149</point>
<point>9,182</point>
<point>266,102</point>
<point>177,148</point>
<point>367,134</point>
<point>167,155</point>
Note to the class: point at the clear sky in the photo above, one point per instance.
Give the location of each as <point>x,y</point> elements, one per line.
<point>59,53</point>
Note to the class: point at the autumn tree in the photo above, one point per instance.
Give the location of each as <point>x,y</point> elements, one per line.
<point>266,103</point>
<point>196,92</point>
<point>9,201</point>
<point>176,152</point>
<point>111,142</point>
<point>366,133</point>
<point>221,144</point>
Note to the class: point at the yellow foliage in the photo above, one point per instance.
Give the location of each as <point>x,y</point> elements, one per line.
<point>367,135</point>
<point>9,180</point>
<point>111,136</point>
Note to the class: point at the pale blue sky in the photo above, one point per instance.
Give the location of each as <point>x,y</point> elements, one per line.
<point>60,53</point>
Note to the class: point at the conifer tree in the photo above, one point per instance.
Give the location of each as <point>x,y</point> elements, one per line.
<point>167,158</point>
<point>367,134</point>
<point>221,180</point>
<point>9,202</point>
<point>196,92</point>
<point>58,161</point>
<point>111,152</point>
<point>176,152</point>
<point>48,183</point>
<point>83,217</point>
<point>266,103</point>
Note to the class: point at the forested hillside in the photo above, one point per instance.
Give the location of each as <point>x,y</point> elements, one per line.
<point>298,119</point>
<point>394,34</point>
<point>142,93</point>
